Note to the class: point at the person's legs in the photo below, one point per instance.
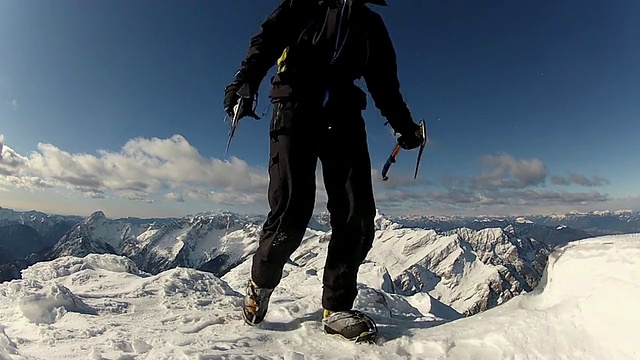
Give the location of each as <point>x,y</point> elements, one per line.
<point>347,176</point>
<point>292,191</point>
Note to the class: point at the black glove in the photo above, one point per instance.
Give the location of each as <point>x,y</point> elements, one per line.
<point>232,94</point>
<point>412,139</point>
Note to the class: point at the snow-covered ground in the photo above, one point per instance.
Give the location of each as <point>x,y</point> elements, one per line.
<point>103,307</point>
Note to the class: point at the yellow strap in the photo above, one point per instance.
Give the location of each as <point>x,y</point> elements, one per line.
<point>281,61</point>
<point>326,313</point>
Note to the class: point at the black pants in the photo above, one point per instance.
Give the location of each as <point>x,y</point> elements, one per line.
<point>298,139</point>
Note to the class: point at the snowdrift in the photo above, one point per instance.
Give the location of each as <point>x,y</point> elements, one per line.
<point>104,307</point>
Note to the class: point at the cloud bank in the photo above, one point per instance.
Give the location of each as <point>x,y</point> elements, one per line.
<point>142,169</point>
<point>505,171</point>
<point>581,180</point>
<point>505,182</point>
<point>147,170</point>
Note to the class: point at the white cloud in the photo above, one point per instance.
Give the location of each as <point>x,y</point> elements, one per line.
<point>507,172</point>
<point>14,104</point>
<point>172,169</point>
<point>24,182</point>
<point>142,168</point>
<point>174,197</point>
<point>484,201</point>
<point>581,180</point>
<point>225,198</point>
<point>10,161</point>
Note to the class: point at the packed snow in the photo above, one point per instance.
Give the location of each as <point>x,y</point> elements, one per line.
<point>103,307</point>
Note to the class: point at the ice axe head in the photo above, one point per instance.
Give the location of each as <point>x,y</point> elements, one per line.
<point>396,150</point>
<point>244,94</point>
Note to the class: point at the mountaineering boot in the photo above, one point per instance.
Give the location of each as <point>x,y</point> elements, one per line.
<point>256,303</point>
<point>351,325</point>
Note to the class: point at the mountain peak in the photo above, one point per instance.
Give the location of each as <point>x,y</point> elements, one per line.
<point>384,223</point>
<point>97,215</point>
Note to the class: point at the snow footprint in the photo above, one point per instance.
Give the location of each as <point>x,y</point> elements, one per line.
<point>202,325</point>
<point>138,346</point>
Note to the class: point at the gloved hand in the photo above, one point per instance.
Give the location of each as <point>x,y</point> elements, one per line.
<point>232,93</point>
<point>412,139</point>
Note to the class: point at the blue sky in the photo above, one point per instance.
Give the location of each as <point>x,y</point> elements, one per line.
<point>116,106</point>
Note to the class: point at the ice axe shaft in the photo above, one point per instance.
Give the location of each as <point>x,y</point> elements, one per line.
<point>390,160</point>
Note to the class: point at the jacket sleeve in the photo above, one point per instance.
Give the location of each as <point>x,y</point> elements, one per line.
<point>266,46</point>
<point>381,78</point>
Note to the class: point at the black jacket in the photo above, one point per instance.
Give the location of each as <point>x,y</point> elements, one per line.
<point>320,51</point>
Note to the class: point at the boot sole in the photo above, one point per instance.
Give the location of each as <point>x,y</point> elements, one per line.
<point>365,337</point>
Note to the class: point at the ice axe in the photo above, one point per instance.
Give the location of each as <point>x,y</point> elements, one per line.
<point>396,151</point>
<point>244,95</point>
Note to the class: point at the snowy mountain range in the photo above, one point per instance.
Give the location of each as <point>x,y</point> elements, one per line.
<point>214,241</point>
<point>30,239</point>
<point>594,223</point>
<point>469,268</point>
<point>49,228</point>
